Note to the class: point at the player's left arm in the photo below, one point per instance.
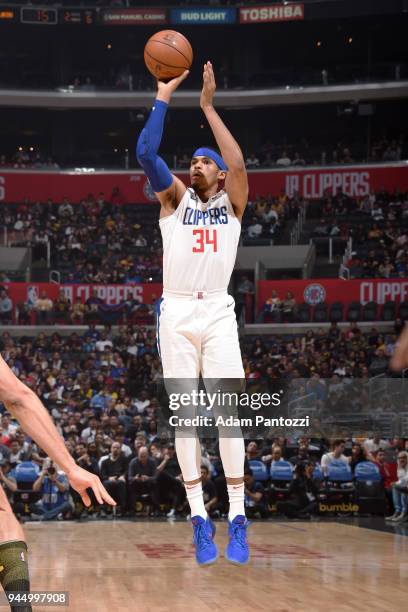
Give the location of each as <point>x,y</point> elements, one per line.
<point>236,182</point>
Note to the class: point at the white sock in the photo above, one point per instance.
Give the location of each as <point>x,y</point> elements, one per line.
<point>189,456</point>
<point>196,500</point>
<point>236,500</point>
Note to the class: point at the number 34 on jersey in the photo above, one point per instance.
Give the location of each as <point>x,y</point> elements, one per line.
<point>203,237</point>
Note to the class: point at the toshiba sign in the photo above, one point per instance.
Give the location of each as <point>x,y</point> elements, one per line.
<point>264,14</point>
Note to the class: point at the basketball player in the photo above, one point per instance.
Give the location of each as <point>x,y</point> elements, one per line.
<point>200,227</point>
<point>26,407</point>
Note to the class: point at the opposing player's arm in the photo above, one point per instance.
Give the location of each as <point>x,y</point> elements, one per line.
<point>27,408</point>
<point>168,188</point>
<point>236,182</point>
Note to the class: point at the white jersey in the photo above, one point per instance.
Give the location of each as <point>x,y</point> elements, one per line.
<point>200,241</point>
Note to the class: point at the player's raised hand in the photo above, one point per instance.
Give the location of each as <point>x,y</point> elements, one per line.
<point>399,360</point>
<point>209,86</point>
<point>165,90</point>
<point>81,480</point>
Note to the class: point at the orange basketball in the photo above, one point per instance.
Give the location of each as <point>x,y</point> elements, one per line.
<point>167,54</point>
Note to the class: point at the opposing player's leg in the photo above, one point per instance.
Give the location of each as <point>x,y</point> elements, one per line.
<point>222,366</point>
<point>180,347</point>
<point>14,575</point>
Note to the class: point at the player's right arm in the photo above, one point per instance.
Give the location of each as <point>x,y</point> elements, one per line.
<point>32,415</point>
<point>168,188</point>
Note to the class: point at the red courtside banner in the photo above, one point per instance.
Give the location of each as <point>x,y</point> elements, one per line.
<point>329,290</point>
<point>312,291</point>
<point>112,294</point>
<point>266,14</point>
<point>311,182</point>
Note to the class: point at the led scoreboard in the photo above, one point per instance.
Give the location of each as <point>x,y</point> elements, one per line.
<point>38,15</point>
<point>46,16</point>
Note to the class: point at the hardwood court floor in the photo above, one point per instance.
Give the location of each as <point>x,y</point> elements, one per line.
<point>120,566</point>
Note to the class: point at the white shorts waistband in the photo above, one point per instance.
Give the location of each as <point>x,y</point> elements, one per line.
<point>194,295</point>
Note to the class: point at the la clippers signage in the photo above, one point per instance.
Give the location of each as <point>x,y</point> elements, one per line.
<point>314,185</point>
<point>311,183</point>
<point>112,295</point>
<point>203,15</point>
<point>317,291</point>
<point>267,14</point>
<point>133,16</point>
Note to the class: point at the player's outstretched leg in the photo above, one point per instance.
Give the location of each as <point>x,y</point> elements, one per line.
<point>237,550</point>
<point>232,451</point>
<point>189,456</point>
<point>206,549</point>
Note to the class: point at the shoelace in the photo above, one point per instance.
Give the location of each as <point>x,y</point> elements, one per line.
<point>239,533</point>
<point>202,538</point>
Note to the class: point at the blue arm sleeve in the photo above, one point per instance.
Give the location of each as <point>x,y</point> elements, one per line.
<point>147,146</point>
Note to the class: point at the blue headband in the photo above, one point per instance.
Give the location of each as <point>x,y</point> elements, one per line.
<point>212,155</point>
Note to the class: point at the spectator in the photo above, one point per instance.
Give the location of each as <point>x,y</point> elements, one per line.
<point>6,307</point>
<point>92,306</point>
<point>302,493</point>
<point>44,307</point>
<point>244,293</point>
<point>272,306</point>
<point>388,473</point>
<point>284,160</point>
<point>372,445</point>
<point>113,469</point>
<point>169,486</point>
<point>252,451</point>
<point>359,454</point>
<point>301,456</point>
<point>255,229</point>
<point>209,490</point>
<point>399,490</point>
<point>289,307</point>
<point>77,312</point>
<point>254,499</point>
<point>53,487</point>
<point>62,306</point>
<point>65,209</point>
<point>8,429</point>
<point>337,454</point>
<point>141,475</point>
<point>252,161</point>
<point>17,454</point>
<point>298,161</point>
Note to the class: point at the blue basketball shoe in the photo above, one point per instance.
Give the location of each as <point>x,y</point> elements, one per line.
<point>206,550</point>
<point>237,551</point>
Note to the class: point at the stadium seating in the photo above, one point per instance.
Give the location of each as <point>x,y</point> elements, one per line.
<point>370,494</point>
<point>388,311</point>
<point>321,314</point>
<point>354,311</point>
<point>259,470</point>
<point>370,311</point>
<point>336,312</point>
<point>304,313</point>
<point>403,310</point>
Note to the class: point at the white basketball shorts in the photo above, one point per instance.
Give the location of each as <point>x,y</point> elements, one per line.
<point>198,333</point>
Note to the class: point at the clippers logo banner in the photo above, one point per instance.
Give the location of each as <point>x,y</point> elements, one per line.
<point>266,14</point>
<point>311,183</point>
<point>134,16</point>
<point>329,290</point>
